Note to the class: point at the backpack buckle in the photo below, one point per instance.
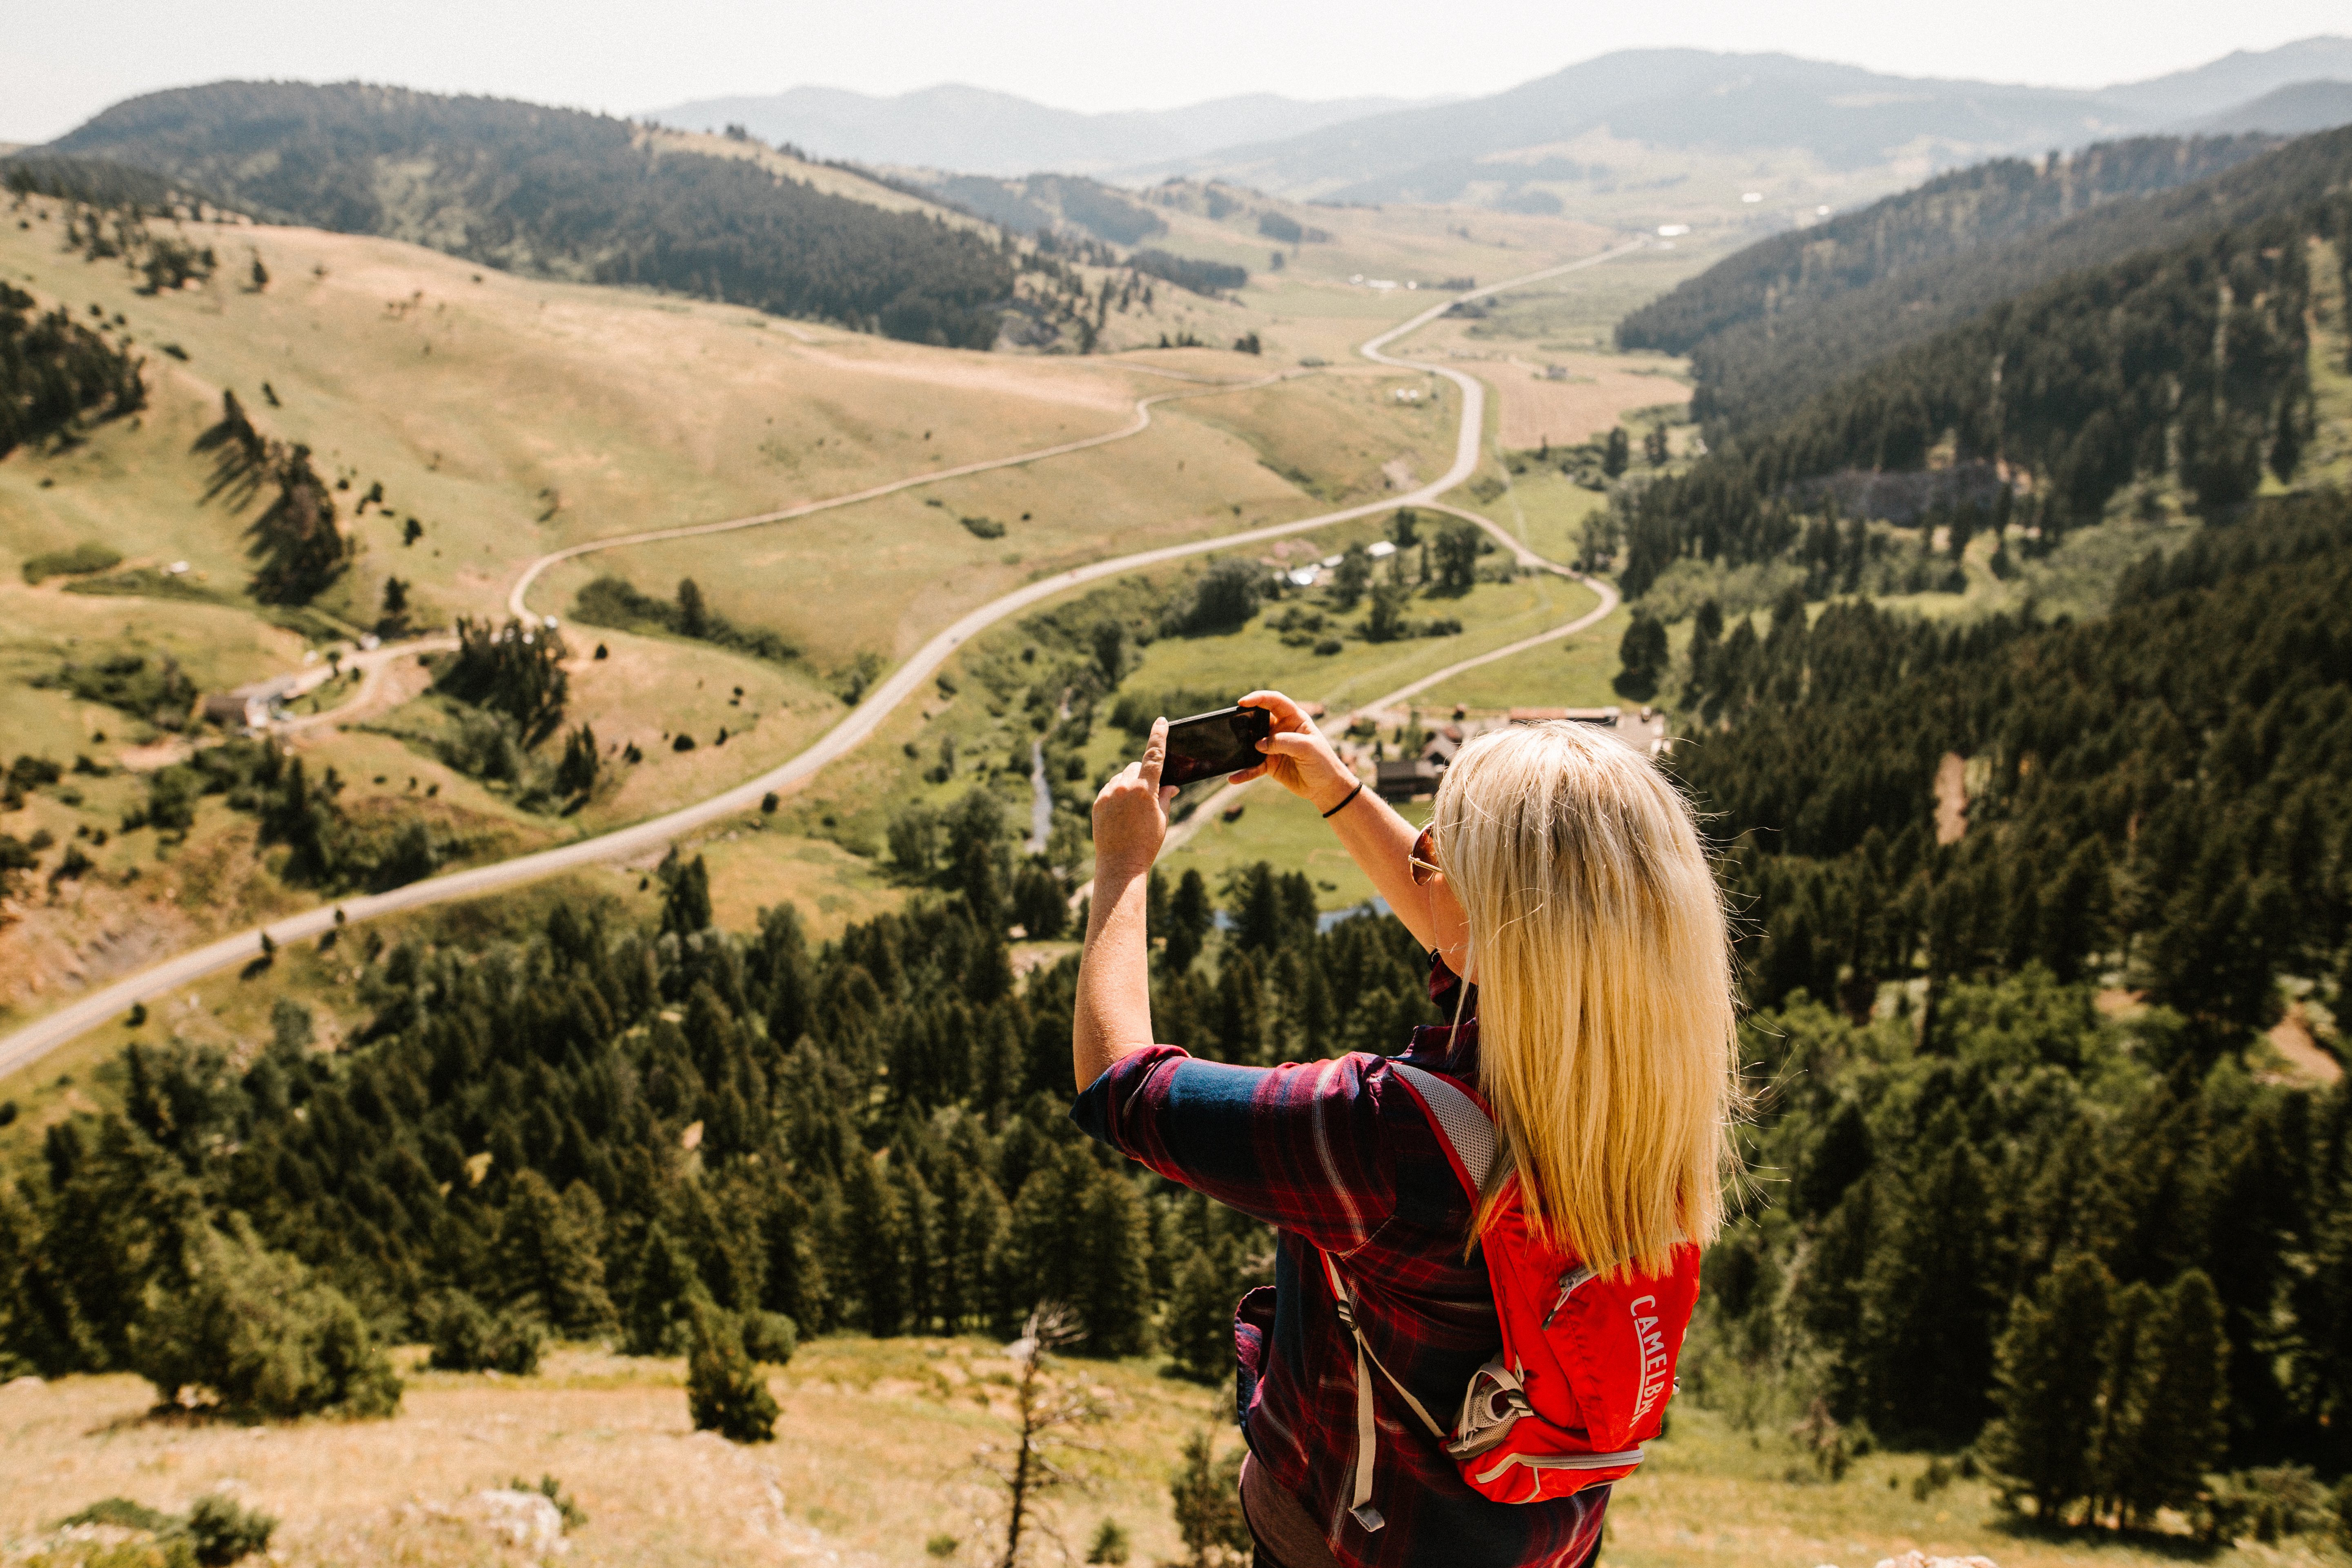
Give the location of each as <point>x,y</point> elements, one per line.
<point>1369,1517</point>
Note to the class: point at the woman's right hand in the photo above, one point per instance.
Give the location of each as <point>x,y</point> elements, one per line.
<point>1297,757</point>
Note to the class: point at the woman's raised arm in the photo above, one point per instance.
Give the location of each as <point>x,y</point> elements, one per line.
<point>1114,1010</point>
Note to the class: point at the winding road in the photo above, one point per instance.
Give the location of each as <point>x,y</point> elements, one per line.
<point>29,1044</point>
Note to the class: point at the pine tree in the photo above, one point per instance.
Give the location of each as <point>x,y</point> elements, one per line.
<point>685,895</point>
<point>1207,1495</point>
<point>1927,1311</point>
<point>975,1251</point>
<point>1199,1327</point>
<point>299,549</point>
<point>719,1237</point>
<point>1189,918</point>
<point>575,775</point>
<point>2179,1406</point>
<point>1617,453</point>
<point>725,1393</point>
<point>258,1331</point>
<point>547,1263</point>
<point>793,1277</point>
<point>2047,1388</point>
<point>693,617</point>
<point>875,1234</point>
<point>393,620</point>
<point>668,1296</point>
<point>1045,1239</point>
<point>1114,1296</point>
<point>1241,1010</point>
<point>921,1244</point>
<point>2128,1371</point>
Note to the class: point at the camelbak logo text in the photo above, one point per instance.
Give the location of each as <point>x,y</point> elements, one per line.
<point>1656,1368</point>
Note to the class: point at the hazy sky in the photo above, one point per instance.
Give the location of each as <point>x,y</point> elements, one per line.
<point>62,63</point>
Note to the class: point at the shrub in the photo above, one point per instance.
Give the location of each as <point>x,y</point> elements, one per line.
<point>1200,276</point>
<point>256,1332</point>
<point>82,559</point>
<point>769,1337</point>
<point>724,1392</point>
<point>466,1338</point>
<point>223,1533</point>
<point>216,1531</point>
<point>1135,711</point>
<point>2265,1503</point>
<point>485,745</point>
<point>122,1513</point>
<point>1224,597</point>
<point>1110,1543</point>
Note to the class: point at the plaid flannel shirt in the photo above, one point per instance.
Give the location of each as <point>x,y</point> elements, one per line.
<point>1337,1155</point>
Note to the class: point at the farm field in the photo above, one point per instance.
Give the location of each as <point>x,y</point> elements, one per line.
<point>872,1464</point>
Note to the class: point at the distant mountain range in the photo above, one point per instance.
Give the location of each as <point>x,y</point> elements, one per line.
<point>1382,150</point>
<point>1694,101</point>
<point>2293,110</point>
<point>974,131</point>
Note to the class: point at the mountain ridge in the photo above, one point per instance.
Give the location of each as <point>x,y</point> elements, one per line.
<point>974,130</point>
<point>1845,116</point>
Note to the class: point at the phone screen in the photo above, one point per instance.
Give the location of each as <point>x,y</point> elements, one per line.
<point>1208,745</point>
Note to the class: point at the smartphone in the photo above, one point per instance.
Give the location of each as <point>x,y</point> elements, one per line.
<point>1209,745</point>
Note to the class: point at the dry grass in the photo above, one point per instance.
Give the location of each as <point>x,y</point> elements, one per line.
<point>871,1460</point>
<point>1599,391</point>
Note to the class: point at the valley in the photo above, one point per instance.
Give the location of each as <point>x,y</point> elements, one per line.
<point>545,824</point>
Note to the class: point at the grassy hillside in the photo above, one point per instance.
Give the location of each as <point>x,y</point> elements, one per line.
<point>2098,396</point>
<point>559,193</point>
<point>1967,210</point>
<point>1784,320</point>
<point>615,411</point>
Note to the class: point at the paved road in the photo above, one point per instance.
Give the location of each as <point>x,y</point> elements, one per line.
<point>34,1040</point>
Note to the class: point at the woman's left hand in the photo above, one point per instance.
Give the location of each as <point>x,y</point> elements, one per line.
<point>1130,814</point>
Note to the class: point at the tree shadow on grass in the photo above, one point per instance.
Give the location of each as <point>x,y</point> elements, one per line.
<point>2148,1543</point>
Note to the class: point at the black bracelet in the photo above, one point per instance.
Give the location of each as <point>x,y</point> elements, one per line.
<point>1343,804</point>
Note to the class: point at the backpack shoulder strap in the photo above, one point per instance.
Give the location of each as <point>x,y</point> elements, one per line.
<point>1463,1125</point>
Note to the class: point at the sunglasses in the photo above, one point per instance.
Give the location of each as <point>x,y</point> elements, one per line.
<point>1424,857</point>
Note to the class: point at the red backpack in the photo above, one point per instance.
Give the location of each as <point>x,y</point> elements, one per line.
<point>1586,1365</point>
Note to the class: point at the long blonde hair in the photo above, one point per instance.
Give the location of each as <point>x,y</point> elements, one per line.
<point>1606,1019</point>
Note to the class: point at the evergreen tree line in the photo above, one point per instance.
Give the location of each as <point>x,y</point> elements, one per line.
<point>101,183</point>
<point>561,193</point>
<point>1041,204</point>
<point>297,544</point>
<point>572,1126</point>
<point>2189,364</point>
<point>615,602</point>
<point>1787,319</point>
<point>2110,1254</point>
<point>54,371</point>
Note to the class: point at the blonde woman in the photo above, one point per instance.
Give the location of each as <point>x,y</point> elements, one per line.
<point>1565,881</point>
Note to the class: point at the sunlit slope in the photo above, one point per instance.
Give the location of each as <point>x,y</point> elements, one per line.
<point>512,417</point>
